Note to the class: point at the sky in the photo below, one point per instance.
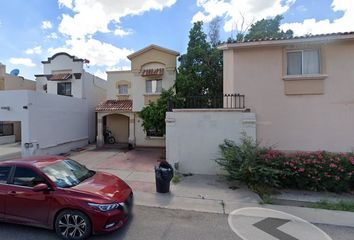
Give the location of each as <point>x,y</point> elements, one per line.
<point>106,31</point>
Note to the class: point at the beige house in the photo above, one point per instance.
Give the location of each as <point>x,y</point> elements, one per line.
<point>301,89</point>
<point>11,131</point>
<point>152,69</point>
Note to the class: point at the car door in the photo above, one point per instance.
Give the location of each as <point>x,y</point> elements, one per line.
<point>4,177</point>
<point>23,205</point>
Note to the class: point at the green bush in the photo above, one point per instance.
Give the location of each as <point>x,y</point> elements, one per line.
<point>263,167</point>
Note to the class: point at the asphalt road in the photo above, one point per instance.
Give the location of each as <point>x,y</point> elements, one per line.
<point>156,224</point>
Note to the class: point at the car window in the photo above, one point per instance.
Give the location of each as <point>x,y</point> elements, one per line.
<point>27,177</point>
<point>4,174</point>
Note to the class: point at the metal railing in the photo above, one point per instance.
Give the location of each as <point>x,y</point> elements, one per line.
<point>226,101</point>
<point>6,129</point>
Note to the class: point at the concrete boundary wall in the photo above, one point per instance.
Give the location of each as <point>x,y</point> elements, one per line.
<point>50,124</point>
<point>193,136</point>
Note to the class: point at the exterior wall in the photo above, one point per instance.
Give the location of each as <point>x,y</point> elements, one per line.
<point>158,56</point>
<point>119,125</point>
<point>144,141</point>
<point>113,78</point>
<point>140,97</point>
<point>7,139</point>
<point>193,137</point>
<point>312,117</point>
<point>68,115</point>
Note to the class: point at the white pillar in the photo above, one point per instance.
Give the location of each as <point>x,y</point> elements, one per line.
<point>100,138</point>
<point>132,130</point>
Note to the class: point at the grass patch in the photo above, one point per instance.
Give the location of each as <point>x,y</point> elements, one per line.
<point>176,179</point>
<point>266,199</point>
<point>340,206</point>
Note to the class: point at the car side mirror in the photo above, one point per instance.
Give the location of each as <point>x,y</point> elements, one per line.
<point>40,187</point>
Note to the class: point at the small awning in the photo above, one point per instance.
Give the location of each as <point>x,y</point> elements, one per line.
<point>152,72</point>
<point>115,106</point>
<point>60,77</point>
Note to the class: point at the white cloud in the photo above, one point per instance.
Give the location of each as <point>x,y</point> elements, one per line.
<point>122,33</point>
<point>35,50</point>
<point>46,25</point>
<point>99,53</point>
<point>101,74</point>
<point>65,3</point>
<point>53,35</point>
<point>91,16</point>
<point>234,10</point>
<point>22,61</point>
<point>342,24</point>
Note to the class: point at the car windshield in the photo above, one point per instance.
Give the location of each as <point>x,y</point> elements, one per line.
<point>67,173</point>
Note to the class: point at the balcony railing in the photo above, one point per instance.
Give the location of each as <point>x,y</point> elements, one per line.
<point>6,129</point>
<point>226,101</point>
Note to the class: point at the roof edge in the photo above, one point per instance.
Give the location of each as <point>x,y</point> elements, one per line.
<point>75,59</point>
<point>285,41</point>
<point>152,46</point>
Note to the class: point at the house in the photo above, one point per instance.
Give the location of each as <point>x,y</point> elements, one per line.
<point>10,132</point>
<point>152,69</point>
<point>300,88</point>
<point>60,114</point>
<point>64,75</point>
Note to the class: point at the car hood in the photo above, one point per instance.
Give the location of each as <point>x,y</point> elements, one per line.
<point>105,185</point>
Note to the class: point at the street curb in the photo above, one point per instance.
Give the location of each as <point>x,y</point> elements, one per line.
<point>169,201</point>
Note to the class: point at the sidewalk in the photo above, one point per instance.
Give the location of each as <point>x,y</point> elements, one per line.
<point>201,193</point>
<point>8,151</point>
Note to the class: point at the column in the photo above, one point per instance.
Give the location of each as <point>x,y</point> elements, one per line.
<point>132,130</point>
<point>100,138</point>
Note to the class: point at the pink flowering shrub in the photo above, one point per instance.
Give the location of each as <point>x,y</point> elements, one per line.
<point>317,171</point>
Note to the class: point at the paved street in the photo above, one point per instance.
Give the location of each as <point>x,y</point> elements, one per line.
<point>155,223</point>
<point>8,151</point>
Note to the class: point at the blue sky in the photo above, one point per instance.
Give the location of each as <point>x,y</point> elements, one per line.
<point>106,31</point>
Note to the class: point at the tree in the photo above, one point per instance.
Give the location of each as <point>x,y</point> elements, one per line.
<point>154,114</point>
<point>200,70</point>
<point>268,28</point>
<point>214,31</point>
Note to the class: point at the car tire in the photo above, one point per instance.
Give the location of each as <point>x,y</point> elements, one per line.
<point>73,225</point>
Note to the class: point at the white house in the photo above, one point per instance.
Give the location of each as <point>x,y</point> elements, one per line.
<point>64,75</point>
<point>60,115</point>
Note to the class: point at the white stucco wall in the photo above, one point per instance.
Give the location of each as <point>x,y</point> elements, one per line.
<point>193,137</point>
<point>53,124</point>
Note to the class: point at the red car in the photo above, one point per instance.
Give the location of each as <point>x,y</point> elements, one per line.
<point>59,193</point>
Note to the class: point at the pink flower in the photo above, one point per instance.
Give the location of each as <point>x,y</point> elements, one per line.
<point>301,170</point>
<point>332,165</point>
<point>352,160</point>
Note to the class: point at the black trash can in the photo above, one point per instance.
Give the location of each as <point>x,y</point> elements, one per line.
<point>163,177</point>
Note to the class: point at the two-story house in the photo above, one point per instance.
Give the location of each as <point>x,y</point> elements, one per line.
<point>300,88</point>
<point>11,131</point>
<point>65,75</point>
<point>152,69</point>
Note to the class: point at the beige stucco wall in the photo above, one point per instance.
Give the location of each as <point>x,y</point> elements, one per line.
<point>17,83</point>
<point>116,77</point>
<point>119,125</point>
<point>296,122</point>
<point>153,55</point>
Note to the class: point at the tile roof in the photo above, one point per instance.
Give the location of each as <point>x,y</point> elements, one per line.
<point>152,72</point>
<point>309,36</point>
<point>60,77</point>
<point>115,105</point>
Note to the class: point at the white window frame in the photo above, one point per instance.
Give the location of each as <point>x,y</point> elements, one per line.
<point>152,89</point>
<point>302,60</point>
<point>121,85</point>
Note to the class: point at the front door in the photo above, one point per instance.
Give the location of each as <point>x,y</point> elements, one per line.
<point>22,203</point>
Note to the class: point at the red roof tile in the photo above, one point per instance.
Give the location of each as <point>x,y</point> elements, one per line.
<point>115,105</point>
<point>60,77</point>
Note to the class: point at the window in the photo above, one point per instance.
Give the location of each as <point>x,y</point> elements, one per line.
<point>67,173</point>
<point>4,174</point>
<point>27,177</point>
<point>154,133</point>
<point>64,88</point>
<point>6,129</point>
<point>302,62</point>
<point>123,89</point>
<point>153,86</point>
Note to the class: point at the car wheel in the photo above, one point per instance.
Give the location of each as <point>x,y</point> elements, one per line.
<point>72,225</point>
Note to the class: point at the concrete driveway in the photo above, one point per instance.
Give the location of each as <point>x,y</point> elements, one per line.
<point>8,151</point>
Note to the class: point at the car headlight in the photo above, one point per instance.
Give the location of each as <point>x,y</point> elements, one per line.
<point>105,207</point>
